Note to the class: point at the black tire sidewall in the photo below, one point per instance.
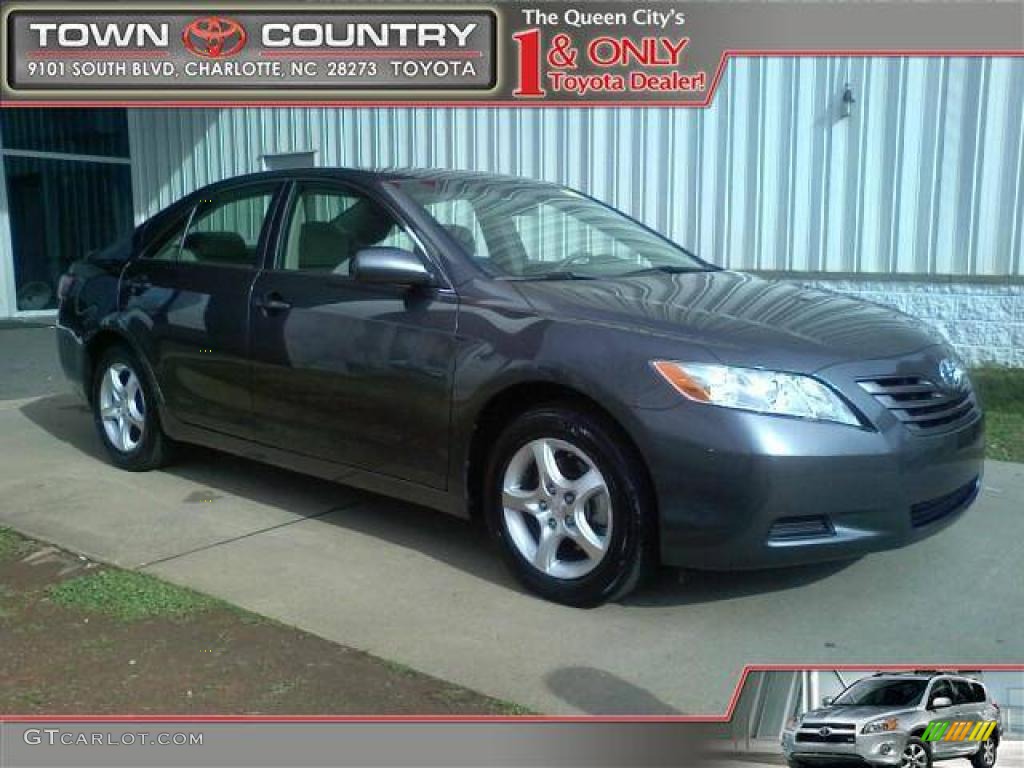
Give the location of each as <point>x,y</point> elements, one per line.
<point>630,528</point>
<point>150,451</point>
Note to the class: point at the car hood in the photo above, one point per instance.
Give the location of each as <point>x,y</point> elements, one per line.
<point>739,318</point>
<point>852,714</point>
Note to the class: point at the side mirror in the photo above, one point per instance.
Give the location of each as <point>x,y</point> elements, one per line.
<point>827,701</point>
<point>941,702</point>
<point>392,266</point>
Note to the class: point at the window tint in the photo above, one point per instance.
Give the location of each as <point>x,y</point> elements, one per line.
<point>167,245</point>
<point>328,227</point>
<point>962,692</point>
<point>226,230</point>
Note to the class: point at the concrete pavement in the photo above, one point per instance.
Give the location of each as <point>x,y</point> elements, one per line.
<point>428,591</point>
<point>28,360</point>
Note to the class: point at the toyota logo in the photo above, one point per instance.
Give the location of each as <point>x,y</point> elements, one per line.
<point>214,37</point>
<point>953,375</point>
<point>825,732</point>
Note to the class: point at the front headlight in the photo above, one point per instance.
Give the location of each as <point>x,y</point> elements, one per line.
<point>753,389</point>
<point>881,726</point>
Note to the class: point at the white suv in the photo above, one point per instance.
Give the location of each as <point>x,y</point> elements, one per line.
<point>880,720</point>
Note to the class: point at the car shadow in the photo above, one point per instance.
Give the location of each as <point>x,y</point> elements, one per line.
<point>454,541</point>
<point>675,586</point>
<point>598,692</point>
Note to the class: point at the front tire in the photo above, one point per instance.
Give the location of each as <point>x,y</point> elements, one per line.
<point>125,414</point>
<point>986,755</point>
<point>568,503</point>
<point>916,754</point>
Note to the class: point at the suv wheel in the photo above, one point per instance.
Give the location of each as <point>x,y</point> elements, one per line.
<point>985,757</point>
<point>568,505</point>
<point>124,410</point>
<point>915,755</point>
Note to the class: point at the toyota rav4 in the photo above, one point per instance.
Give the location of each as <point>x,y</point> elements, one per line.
<point>885,719</point>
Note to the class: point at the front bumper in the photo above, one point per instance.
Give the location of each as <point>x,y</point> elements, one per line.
<point>740,490</point>
<point>879,749</point>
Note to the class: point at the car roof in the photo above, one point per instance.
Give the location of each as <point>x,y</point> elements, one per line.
<point>378,174</point>
<point>923,675</point>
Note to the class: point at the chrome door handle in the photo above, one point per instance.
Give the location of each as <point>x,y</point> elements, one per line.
<point>272,302</point>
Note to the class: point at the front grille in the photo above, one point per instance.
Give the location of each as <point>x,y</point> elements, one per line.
<point>833,726</point>
<point>921,405</point>
<point>928,512</point>
<point>813,737</point>
<point>805,527</point>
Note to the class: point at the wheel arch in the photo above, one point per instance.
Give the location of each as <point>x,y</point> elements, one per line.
<point>97,345</point>
<point>514,400</point>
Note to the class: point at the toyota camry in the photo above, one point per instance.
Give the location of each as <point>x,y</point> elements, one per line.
<point>520,353</point>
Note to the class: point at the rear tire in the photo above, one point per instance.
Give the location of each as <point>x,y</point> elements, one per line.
<point>580,530</point>
<point>125,413</point>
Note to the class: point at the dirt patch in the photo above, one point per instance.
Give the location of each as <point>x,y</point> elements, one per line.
<point>57,657</point>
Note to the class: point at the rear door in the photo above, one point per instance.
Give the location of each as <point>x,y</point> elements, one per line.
<point>186,300</point>
<point>354,373</point>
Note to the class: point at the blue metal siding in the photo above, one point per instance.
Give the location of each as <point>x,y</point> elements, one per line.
<point>926,175</point>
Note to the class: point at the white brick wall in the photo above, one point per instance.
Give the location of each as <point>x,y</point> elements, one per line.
<point>983,320</point>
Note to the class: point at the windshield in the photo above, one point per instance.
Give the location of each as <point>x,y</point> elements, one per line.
<point>520,229</point>
<point>883,693</point>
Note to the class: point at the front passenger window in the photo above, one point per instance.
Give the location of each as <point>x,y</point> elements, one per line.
<point>328,227</point>
<point>961,692</point>
<point>941,689</point>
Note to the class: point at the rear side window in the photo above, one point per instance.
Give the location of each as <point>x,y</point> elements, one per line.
<point>222,230</point>
<point>168,244</point>
<point>226,229</point>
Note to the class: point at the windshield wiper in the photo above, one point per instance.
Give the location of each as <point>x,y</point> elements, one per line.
<point>666,269</point>
<point>559,275</point>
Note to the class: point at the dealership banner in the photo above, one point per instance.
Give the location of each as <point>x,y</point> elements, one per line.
<point>507,53</point>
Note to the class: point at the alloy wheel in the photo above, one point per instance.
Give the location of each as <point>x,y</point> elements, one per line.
<point>122,407</point>
<point>557,508</point>
<point>988,752</point>
<point>914,756</point>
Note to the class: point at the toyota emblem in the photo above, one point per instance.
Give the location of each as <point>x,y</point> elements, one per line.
<point>952,375</point>
<point>825,732</point>
<point>214,37</point>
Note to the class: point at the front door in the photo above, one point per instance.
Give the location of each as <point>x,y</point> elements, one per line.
<point>942,688</point>
<point>190,291</point>
<point>346,371</point>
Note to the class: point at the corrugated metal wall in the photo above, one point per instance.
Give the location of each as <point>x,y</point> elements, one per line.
<point>925,176</point>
